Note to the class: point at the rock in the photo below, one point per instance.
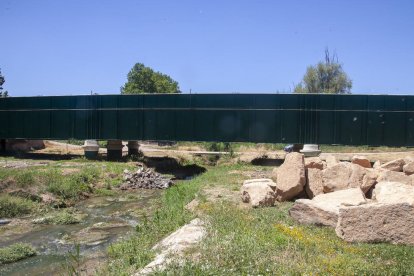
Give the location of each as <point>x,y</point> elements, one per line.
<point>331,161</point>
<point>369,180</point>
<point>361,160</point>
<point>259,192</point>
<point>377,164</point>
<point>395,165</point>
<point>192,205</point>
<point>408,159</point>
<point>146,179</point>
<point>323,209</point>
<point>408,168</point>
<point>291,177</point>
<point>174,245</point>
<point>274,174</point>
<point>393,176</point>
<point>314,182</point>
<point>314,163</point>
<point>4,221</point>
<point>377,222</point>
<point>347,175</point>
<point>393,192</point>
<point>48,198</point>
<point>108,225</point>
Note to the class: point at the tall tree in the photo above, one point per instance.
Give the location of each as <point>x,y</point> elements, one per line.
<point>2,81</point>
<point>326,77</point>
<point>142,79</point>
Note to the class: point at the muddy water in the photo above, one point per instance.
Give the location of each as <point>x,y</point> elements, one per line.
<point>108,219</point>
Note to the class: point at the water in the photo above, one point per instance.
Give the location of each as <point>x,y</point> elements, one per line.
<point>108,220</point>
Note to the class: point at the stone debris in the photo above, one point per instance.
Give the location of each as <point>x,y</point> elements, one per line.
<point>145,178</point>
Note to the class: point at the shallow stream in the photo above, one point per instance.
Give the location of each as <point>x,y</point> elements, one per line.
<point>107,219</point>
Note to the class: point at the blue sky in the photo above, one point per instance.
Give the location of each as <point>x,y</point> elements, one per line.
<point>74,47</point>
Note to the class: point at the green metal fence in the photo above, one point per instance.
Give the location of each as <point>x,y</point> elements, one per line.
<point>273,118</point>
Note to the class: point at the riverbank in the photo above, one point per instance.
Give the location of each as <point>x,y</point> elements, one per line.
<point>241,240</point>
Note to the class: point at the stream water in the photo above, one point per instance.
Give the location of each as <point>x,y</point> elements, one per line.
<point>107,219</point>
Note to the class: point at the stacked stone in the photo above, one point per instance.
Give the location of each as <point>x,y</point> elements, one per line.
<point>145,178</point>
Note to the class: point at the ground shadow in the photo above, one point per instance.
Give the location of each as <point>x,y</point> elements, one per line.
<point>167,165</point>
<point>264,161</point>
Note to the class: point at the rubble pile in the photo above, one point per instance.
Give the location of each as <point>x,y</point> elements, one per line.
<point>145,178</point>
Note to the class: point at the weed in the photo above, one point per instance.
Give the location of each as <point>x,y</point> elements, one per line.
<point>11,206</point>
<point>16,252</point>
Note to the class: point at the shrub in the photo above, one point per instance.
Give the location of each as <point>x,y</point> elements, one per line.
<point>11,206</point>
<point>16,252</point>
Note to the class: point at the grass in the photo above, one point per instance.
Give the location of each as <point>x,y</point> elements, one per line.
<point>11,206</point>
<point>242,146</point>
<point>64,217</point>
<point>16,252</point>
<point>245,241</point>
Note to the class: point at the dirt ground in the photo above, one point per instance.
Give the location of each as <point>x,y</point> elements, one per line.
<point>246,155</point>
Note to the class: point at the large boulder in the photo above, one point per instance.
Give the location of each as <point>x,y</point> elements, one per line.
<point>331,161</point>
<point>361,160</point>
<point>393,176</point>
<point>336,177</point>
<point>314,182</point>
<point>377,222</point>
<point>408,168</point>
<point>369,180</point>
<point>395,165</point>
<point>393,192</point>
<point>291,177</point>
<point>259,192</point>
<point>314,163</point>
<point>344,175</point>
<point>323,209</point>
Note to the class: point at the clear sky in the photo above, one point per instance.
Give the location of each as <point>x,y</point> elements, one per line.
<point>61,47</point>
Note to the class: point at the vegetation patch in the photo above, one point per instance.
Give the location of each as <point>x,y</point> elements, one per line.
<point>244,241</point>
<point>62,217</point>
<point>11,206</point>
<point>16,252</point>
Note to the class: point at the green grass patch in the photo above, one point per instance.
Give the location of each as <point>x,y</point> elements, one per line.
<point>59,218</point>
<point>11,206</point>
<point>267,242</point>
<point>16,252</point>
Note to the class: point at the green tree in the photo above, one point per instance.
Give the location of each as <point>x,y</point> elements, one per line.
<point>142,79</point>
<point>2,81</point>
<point>326,77</point>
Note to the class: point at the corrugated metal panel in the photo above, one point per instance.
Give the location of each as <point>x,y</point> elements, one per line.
<point>281,118</point>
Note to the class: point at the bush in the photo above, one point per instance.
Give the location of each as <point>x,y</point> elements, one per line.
<point>16,252</point>
<point>72,186</point>
<point>11,206</point>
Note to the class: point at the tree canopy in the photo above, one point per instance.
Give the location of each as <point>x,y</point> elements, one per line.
<point>142,79</point>
<point>326,77</point>
<point>2,81</point>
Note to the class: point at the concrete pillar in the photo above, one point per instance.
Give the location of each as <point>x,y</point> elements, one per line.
<point>133,148</point>
<point>114,149</point>
<point>91,149</point>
